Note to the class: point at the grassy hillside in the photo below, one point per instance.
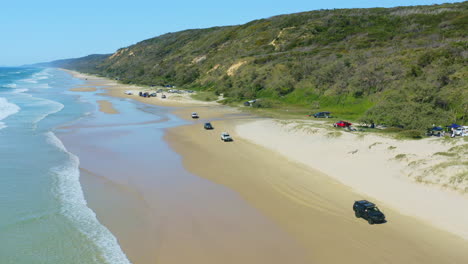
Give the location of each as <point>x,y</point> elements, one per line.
<point>404,66</point>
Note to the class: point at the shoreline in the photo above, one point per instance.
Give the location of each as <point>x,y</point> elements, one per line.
<point>296,196</point>
<point>159,212</point>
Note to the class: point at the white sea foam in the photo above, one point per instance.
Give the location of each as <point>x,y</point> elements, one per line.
<point>68,191</point>
<point>22,90</point>
<point>7,109</point>
<point>42,75</point>
<point>56,107</point>
<point>10,85</point>
<point>30,80</point>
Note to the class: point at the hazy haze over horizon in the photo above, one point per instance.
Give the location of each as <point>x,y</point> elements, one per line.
<point>51,29</point>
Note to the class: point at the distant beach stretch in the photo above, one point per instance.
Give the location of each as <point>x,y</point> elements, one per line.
<point>289,175</point>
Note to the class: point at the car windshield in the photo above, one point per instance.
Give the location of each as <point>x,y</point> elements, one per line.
<point>373,209</point>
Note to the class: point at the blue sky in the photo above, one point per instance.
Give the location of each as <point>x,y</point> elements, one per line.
<point>36,31</point>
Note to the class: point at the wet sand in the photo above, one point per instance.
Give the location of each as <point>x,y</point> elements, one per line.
<point>310,210</point>
<point>84,88</point>
<point>106,107</point>
<point>159,212</point>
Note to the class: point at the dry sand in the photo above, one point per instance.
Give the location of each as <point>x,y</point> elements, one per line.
<point>373,165</point>
<point>314,208</point>
<point>309,205</point>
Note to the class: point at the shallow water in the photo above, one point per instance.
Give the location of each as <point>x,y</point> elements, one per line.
<point>134,181</point>
<point>44,217</point>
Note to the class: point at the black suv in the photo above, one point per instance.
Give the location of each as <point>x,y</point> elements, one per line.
<point>208,126</point>
<point>322,115</point>
<point>368,211</point>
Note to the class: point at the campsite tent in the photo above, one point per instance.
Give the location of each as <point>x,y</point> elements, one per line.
<point>453,125</point>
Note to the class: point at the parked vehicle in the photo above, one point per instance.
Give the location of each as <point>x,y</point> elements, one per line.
<point>194,115</point>
<point>461,131</point>
<point>153,94</point>
<point>128,92</point>
<point>250,102</point>
<point>435,131</point>
<point>456,130</point>
<point>342,124</point>
<point>370,212</point>
<point>208,126</point>
<point>163,96</point>
<point>226,137</point>
<point>322,115</point>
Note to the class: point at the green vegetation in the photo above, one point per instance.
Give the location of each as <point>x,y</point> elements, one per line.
<point>334,134</point>
<point>403,66</point>
<point>461,149</point>
<point>400,156</point>
<point>451,163</point>
<point>410,134</point>
<point>459,178</point>
<point>374,144</point>
<point>447,154</point>
<point>205,96</point>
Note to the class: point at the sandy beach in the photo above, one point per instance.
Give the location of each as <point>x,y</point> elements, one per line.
<point>282,192</point>
<point>405,174</point>
<point>159,212</point>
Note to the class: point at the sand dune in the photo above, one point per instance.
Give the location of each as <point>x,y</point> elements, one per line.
<point>370,165</point>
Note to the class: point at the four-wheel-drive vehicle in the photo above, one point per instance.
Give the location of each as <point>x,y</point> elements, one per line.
<point>194,115</point>
<point>322,115</point>
<point>226,137</point>
<point>208,126</point>
<point>163,96</point>
<point>342,124</point>
<point>368,211</point>
<point>435,131</point>
<point>461,131</point>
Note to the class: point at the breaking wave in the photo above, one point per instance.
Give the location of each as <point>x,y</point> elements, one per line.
<point>73,206</point>
<point>56,107</point>
<point>7,109</point>
<point>35,78</point>
<point>10,85</point>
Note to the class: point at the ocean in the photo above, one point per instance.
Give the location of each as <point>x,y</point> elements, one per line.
<point>44,217</point>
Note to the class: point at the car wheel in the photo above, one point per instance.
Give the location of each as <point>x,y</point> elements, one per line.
<point>371,222</point>
<point>357,214</point>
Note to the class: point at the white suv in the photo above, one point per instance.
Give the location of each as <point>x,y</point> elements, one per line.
<point>226,137</point>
